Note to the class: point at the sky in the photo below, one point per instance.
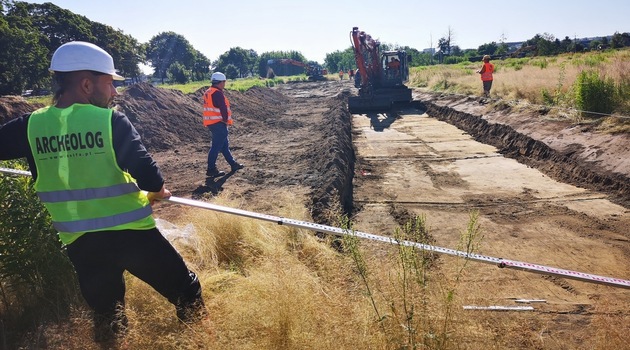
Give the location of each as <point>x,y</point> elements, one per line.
<point>318,27</point>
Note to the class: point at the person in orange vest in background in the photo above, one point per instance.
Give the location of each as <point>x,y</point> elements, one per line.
<point>217,115</point>
<point>486,75</point>
<point>393,67</point>
<point>341,74</point>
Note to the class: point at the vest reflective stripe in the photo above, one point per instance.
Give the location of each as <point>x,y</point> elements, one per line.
<point>88,193</point>
<point>208,110</point>
<point>98,224</point>
<point>487,74</point>
<point>212,114</point>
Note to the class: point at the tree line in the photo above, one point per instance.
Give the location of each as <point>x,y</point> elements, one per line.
<point>30,33</point>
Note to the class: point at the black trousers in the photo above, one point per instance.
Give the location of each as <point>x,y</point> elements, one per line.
<point>100,258</point>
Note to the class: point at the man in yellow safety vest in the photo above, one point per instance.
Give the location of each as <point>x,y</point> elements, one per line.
<point>89,167</point>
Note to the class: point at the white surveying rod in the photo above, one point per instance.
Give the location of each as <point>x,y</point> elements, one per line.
<point>337,231</point>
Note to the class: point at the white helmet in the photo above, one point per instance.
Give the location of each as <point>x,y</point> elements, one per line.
<point>79,55</point>
<point>218,76</point>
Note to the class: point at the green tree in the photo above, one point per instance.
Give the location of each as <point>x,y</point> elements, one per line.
<point>595,45</point>
<point>58,25</point>
<point>545,44</point>
<point>231,71</point>
<point>444,45</point>
<point>488,49</point>
<point>21,63</point>
<point>566,44</point>
<point>32,32</point>
<point>167,48</point>
<point>333,60</point>
<point>262,64</point>
<point>417,58</point>
<point>177,73</point>
<point>244,61</point>
<point>200,68</point>
<point>125,50</point>
<point>616,41</point>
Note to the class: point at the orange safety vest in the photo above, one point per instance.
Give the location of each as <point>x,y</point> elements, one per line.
<point>487,72</point>
<point>212,114</point>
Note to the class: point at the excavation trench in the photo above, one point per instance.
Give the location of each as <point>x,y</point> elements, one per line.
<point>565,166</point>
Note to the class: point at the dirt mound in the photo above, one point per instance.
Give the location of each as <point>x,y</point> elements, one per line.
<point>15,106</point>
<point>296,136</point>
<point>164,118</point>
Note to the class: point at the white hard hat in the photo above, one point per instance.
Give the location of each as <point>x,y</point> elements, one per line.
<point>80,55</point>
<point>218,76</point>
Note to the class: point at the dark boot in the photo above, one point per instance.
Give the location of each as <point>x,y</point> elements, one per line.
<point>192,312</point>
<point>214,173</point>
<point>110,326</point>
<point>237,166</point>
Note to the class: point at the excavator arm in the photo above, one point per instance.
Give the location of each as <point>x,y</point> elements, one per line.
<point>377,90</point>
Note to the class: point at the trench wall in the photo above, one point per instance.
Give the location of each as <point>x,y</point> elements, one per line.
<point>536,154</point>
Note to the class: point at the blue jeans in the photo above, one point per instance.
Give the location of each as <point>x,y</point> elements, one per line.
<point>220,144</point>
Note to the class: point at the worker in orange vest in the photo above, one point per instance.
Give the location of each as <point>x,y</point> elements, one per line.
<point>341,74</point>
<point>393,67</point>
<point>486,75</point>
<point>217,115</point>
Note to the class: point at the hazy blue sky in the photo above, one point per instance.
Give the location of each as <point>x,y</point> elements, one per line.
<point>318,27</point>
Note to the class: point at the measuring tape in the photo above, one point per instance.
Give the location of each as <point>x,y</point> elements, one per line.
<point>337,231</point>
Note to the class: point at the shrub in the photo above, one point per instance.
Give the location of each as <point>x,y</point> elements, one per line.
<point>177,73</point>
<point>37,278</point>
<point>594,94</point>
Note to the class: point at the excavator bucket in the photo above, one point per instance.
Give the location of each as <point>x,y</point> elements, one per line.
<point>379,101</point>
<point>360,104</point>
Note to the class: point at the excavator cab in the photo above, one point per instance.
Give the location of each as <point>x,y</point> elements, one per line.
<point>396,67</point>
<point>381,75</point>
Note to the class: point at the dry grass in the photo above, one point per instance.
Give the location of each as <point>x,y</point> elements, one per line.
<point>275,287</point>
<point>540,81</point>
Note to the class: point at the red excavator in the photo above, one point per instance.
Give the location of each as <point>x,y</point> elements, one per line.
<point>314,72</point>
<point>380,77</point>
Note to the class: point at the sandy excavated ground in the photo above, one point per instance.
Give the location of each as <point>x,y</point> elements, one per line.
<point>547,191</point>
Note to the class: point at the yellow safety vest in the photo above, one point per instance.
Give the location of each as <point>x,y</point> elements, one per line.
<point>78,178</point>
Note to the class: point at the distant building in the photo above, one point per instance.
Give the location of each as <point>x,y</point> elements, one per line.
<point>513,46</point>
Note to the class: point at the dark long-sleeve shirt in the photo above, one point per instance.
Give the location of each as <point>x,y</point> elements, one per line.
<point>131,155</point>
<point>218,100</point>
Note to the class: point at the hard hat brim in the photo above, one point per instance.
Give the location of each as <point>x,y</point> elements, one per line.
<point>115,76</point>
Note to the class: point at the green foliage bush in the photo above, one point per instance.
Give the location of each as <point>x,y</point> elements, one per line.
<point>594,94</point>
<point>177,73</point>
<point>455,59</point>
<point>542,63</point>
<point>37,279</point>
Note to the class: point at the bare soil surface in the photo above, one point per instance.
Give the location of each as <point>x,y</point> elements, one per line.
<point>547,191</point>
